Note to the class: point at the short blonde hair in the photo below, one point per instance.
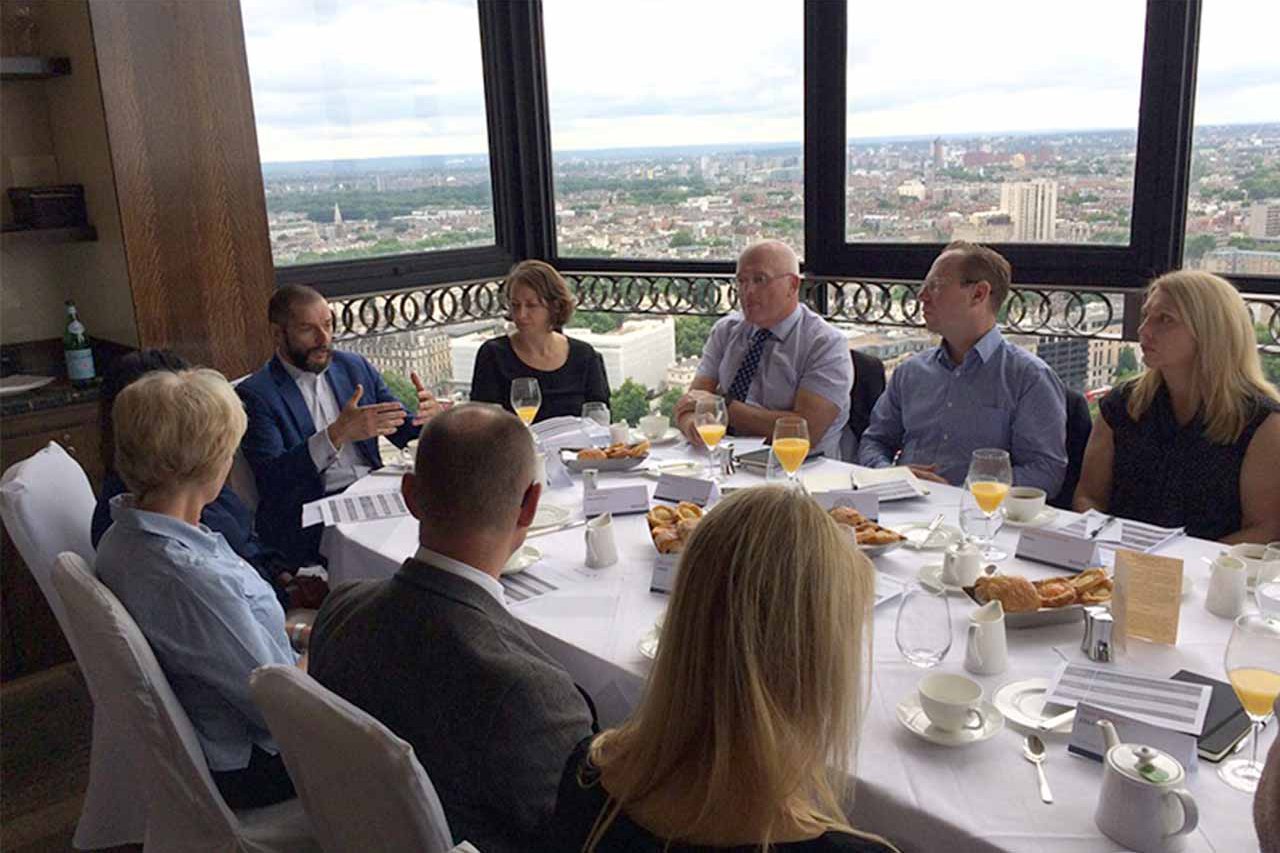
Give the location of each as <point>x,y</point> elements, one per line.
<point>759,683</point>
<point>1228,371</point>
<point>175,429</point>
<point>549,285</point>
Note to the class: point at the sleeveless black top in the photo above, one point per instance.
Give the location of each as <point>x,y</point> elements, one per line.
<point>1173,475</point>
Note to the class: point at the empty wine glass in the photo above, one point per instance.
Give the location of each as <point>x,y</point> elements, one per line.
<point>526,398</point>
<point>597,412</point>
<point>923,630</point>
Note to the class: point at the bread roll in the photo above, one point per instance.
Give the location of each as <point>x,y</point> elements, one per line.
<point>1016,594</point>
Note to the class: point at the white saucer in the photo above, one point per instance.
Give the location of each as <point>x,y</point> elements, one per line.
<point>549,515</point>
<point>1023,703</point>
<point>912,716</point>
<point>944,537</point>
<point>522,559</point>
<point>649,643</point>
<point>1040,519</point>
<point>671,436</point>
<point>931,576</point>
<point>679,469</point>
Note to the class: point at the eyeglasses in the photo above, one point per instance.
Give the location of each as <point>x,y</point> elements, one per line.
<point>758,280</point>
<point>932,287</point>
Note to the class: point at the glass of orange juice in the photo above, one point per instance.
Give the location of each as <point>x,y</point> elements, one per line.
<point>1253,667</point>
<point>791,446</point>
<point>990,476</point>
<point>526,398</point>
<point>711,419</point>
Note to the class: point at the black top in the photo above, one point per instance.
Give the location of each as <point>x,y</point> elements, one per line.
<point>581,379</point>
<point>1172,475</point>
<point>581,802</point>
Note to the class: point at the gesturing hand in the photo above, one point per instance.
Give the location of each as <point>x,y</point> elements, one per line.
<point>356,423</point>
<point>428,405</point>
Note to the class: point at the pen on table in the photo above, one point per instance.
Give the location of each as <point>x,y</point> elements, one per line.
<point>1106,522</point>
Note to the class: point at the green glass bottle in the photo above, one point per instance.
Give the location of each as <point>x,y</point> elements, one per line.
<point>79,353</point>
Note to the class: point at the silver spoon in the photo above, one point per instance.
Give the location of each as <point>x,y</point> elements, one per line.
<point>1033,750</point>
<point>920,536</point>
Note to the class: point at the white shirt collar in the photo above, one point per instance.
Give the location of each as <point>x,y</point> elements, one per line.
<point>481,579</point>
<point>299,374</point>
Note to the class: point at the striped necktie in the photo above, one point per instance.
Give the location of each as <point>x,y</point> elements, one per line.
<point>750,364</point>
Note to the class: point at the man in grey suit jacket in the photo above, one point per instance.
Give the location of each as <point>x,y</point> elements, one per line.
<point>434,653</point>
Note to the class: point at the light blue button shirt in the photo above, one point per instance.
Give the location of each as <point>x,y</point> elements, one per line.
<point>938,413</point>
<point>209,617</point>
<point>805,352</point>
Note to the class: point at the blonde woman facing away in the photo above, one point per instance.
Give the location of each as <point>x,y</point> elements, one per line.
<point>756,692</point>
<point>1194,440</point>
<point>209,616</point>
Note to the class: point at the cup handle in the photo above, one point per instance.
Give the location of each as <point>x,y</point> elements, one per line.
<point>1190,812</point>
<point>982,721</point>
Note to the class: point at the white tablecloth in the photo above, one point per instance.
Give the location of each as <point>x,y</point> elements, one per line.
<point>922,796</point>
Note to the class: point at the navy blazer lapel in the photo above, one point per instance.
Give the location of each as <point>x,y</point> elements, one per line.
<point>292,398</point>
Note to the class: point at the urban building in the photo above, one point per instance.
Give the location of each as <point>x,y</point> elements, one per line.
<point>1264,221</point>
<point>1242,262</point>
<point>1033,207</point>
<point>423,352</point>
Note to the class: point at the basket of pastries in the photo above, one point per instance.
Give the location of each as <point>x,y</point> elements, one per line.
<point>873,539</point>
<point>1049,601</point>
<point>671,526</point>
<point>615,457</point>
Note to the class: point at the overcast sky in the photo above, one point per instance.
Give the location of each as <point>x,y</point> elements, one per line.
<point>336,79</point>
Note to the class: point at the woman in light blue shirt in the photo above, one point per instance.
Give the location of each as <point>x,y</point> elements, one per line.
<point>209,616</point>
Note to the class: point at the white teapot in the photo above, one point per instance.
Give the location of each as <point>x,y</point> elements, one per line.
<point>1143,804</point>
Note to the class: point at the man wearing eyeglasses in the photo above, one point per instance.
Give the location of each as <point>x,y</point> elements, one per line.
<point>974,390</point>
<point>774,357</point>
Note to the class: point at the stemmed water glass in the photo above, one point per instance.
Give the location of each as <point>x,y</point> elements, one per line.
<point>711,419</point>
<point>990,476</point>
<point>596,412</point>
<point>923,630</point>
<point>791,446</point>
<point>1252,662</point>
<point>526,398</point>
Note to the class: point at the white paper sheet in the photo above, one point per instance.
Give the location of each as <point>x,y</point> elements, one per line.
<point>1177,705</point>
<point>351,508</point>
<point>1122,533</point>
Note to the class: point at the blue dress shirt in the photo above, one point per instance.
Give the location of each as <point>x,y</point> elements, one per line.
<point>210,619</point>
<point>805,351</point>
<point>938,413</point>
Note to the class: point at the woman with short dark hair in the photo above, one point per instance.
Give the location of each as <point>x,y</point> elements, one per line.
<point>569,372</point>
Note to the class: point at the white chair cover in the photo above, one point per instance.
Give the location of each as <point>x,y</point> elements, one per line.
<point>185,812</point>
<point>47,506</point>
<point>362,786</point>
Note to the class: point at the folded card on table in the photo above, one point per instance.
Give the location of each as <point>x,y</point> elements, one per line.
<point>1088,740</point>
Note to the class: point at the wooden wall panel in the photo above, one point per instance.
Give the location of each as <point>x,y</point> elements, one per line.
<point>175,90</point>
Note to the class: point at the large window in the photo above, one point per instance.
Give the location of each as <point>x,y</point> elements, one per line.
<point>676,127</point>
<point>1233,210</point>
<point>1016,125</point>
<point>371,127</point>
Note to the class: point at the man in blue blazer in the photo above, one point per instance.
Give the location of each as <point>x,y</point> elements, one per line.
<point>315,415</point>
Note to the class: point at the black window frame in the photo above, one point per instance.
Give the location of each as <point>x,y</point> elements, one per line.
<point>521,168</point>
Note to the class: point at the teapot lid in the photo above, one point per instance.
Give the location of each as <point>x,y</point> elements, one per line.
<point>1146,764</point>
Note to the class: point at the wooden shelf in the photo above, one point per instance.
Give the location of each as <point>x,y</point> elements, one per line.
<point>34,67</point>
<point>75,234</point>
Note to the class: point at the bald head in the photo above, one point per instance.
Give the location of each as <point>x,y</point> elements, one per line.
<point>774,254</point>
<point>475,463</point>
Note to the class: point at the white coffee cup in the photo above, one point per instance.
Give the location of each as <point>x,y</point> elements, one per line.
<point>1226,587</point>
<point>1255,559</point>
<point>620,433</point>
<point>951,702</point>
<point>961,564</point>
<point>654,427</point>
<point>602,548</point>
<point>987,650</point>
<point>1024,503</point>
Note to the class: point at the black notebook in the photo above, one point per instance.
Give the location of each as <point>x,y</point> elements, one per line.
<point>1225,723</point>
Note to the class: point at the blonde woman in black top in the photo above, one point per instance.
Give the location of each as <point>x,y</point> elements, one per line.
<point>1194,440</point>
<point>569,372</point>
<point>756,693</point>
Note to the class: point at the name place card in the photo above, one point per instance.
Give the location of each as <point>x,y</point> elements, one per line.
<point>1056,548</point>
<point>623,500</point>
<point>1088,740</point>
<point>867,503</point>
<point>664,573</point>
<point>675,489</point>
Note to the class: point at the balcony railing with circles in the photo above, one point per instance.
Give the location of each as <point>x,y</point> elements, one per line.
<point>1047,311</point>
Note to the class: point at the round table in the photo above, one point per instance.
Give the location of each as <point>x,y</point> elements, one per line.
<point>919,795</point>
